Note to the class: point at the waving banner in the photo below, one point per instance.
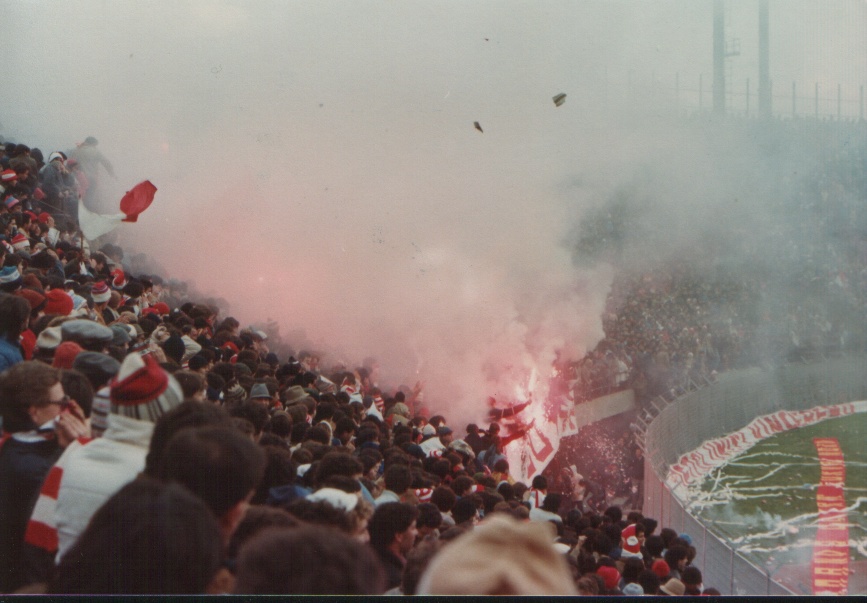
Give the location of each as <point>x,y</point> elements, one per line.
<point>133,203</point>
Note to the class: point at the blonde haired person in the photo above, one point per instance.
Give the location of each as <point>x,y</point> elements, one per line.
<point>500,556</point>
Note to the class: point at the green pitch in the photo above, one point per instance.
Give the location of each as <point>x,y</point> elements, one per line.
<point>764,501</point>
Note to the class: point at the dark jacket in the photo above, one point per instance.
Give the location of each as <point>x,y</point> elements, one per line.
<point>23,467</point>
<point>393,567</point>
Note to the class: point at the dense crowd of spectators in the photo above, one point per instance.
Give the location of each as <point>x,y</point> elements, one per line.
<point>151,445</point>
<point>792,286</point>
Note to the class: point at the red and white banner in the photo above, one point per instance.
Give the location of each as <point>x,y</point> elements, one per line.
<point>553,420</point>
<point>133,203</point>
<point>830,567</point>
<point>694,466</point>
<point>557,418</point>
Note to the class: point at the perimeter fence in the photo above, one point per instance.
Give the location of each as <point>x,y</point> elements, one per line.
<point>674,427</point>
<point>694,94</point>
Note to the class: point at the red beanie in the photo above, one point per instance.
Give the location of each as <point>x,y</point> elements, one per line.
<point>34,298</point>
<point>162,308</point>
<point>631,544</point>
<point>149,311</point>
<point>31,281</point>
<point>661,569</point>
<point>118,280</point>
<point>65,354</point>
<point>139,381</point>
<point>100,293</point>
<point>58,302</point>
<point>20,241</point>
<point>610,576</point>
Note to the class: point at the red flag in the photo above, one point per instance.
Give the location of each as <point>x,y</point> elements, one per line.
<point>137,200</point>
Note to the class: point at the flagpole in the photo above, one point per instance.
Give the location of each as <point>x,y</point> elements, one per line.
<point>80,231</point>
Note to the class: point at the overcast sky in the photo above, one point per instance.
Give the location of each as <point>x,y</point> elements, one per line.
<point>317,162</point>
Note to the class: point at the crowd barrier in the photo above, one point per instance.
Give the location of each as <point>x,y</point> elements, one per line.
<point>719,408</point>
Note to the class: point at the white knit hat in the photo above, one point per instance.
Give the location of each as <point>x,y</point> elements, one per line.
<point>143,390</point>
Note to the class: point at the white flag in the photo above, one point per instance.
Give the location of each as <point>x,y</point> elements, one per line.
<point>95,225</point>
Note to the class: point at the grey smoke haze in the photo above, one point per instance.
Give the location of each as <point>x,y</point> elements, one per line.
<point>317,162</point>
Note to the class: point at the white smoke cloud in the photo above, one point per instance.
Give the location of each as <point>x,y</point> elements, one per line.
<point>317,162</point>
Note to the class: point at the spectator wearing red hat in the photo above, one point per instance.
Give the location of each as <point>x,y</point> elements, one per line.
<point>661,569</point>
<point>59,303</point>
<point>118,278</point>
<point>161,308</point>
<point>65,354</point>
<point>149,311</point>
<point>21,243</point>
<point>611,578</point>
<point>101,295</point>
<point>631,539</point>
<point>8,177</point>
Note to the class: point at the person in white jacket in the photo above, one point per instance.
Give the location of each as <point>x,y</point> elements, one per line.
<point>90,471</point>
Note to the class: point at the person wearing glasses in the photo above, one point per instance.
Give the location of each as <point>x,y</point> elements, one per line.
<point>39,421</point>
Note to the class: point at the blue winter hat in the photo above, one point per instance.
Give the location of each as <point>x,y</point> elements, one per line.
<point>10,278</point>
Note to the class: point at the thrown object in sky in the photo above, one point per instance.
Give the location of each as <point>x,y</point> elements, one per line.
<point>478,127</point>
<point>559,99</point>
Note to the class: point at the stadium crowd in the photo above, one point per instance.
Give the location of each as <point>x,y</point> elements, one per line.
<point>791,287</point>
<point>151,445</point>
